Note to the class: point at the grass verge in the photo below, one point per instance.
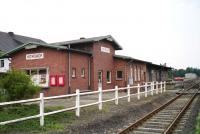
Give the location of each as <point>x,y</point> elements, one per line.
<point>54,122</point>
<point>198,125</point>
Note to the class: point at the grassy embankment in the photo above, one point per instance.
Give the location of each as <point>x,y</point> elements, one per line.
<point>198,125</point>
<point>52,122</point>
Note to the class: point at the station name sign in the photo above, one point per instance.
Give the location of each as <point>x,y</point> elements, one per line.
<point>105,49</point>
<point>34,56</point>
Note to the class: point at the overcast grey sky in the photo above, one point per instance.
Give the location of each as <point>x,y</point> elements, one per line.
<point>153,30</point>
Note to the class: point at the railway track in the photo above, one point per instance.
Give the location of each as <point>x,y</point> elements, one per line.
<point>169,118</point>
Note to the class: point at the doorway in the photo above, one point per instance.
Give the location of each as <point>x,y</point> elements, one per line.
<point>100,77</point>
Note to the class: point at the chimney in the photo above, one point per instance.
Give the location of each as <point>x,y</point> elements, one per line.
<point>11,33</point>
<point>82,38</point>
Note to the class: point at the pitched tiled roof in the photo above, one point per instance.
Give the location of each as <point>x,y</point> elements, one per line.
<point>133,59</point>
<point>31,45</point>
<point>9,41</point>
<point>129,58</point>
<point>159,66</point>
<point>93,39</point>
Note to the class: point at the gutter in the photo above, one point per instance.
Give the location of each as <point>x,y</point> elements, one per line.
<point>89,72</point>
<point>69,70</point>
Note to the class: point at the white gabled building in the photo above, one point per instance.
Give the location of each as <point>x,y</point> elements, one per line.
<point>190,76</point>
<point>4,65</point>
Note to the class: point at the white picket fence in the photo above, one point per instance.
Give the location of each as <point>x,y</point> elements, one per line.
<point>149,87</point>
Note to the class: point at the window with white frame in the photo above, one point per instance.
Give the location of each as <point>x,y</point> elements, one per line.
<point>108,76</point>
<point>73,72</point>
<point>83,72</point>
<point>39,76</point>
<point>135,73</point>
<point>119,75</point>
<point>2,64</point>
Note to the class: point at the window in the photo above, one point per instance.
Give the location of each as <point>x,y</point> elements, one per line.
<point>83,72</point>
<point>135,73</point>
<point>119,75</point>
<point>100,75</point>
<point>108,77</point>
<point>73,72</point>
<point>39,76</point>
<point>138,74</point>
<point>142,74</point>
<point>28,72</point>
<point>131,71</point>
<point>2,63</point>
<point>42,73</point>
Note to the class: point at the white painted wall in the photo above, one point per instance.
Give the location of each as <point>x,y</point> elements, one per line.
<point>190,76</point>
<point>6,67</point>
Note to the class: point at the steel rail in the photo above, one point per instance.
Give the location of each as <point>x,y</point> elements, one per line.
<point>180,114</point>
<point>149,115</point>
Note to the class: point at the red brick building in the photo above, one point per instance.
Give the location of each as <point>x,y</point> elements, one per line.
<point>134,70</point>
<point>84,64</point>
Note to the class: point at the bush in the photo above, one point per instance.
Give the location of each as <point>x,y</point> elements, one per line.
<point>198,125</point>
<point>16,85</point>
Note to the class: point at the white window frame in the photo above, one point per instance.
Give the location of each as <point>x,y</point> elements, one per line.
<point>38,77</point>
<point>2,62</point>
<point>83,72</point>
<point>73,72</point>
<point>110,77</point>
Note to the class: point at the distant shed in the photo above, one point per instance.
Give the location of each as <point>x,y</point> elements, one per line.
<point>190,76</point>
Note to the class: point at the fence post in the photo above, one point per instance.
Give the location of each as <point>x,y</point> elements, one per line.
<point>152,88</point>
<point>100,98</point>
<point>164,86</point>
<point>138,91</point>
<point>77,102</point>
<point>128,92</point>
<point>156,87</point>
<point>161,86</point>
<point>41,109</point>
<point>146,89</point>
<point>116,95</point>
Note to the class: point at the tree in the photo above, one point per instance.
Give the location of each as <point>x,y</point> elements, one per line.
<point>17,85</point>
<point>182,72</point>
<point>1,53</point>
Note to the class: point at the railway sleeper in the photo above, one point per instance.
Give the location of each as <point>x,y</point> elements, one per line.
<point>144,129</point>
<point>154,122</point>
<point>157,120</point>
<point>141,132</point>
<point>165,118</point>
<point>148,125</point>
<point>165,114</point>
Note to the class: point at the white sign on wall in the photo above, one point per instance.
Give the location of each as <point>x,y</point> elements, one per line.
<point>105,49</point>
<point>34,56</point>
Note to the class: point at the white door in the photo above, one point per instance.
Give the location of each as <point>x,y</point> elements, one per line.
<point>100,75</point>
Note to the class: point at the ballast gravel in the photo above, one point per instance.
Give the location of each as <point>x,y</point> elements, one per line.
<point>114,117</point>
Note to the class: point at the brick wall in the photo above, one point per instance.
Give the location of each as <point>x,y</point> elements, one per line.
<point>79,61</point>
<point>104,62</point>
<point>55,60</point>
<point>143,75</point>
<point>125,66</point>
<point>121,65</point>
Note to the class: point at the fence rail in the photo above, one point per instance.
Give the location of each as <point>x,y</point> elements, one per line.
<point>148,87</point>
